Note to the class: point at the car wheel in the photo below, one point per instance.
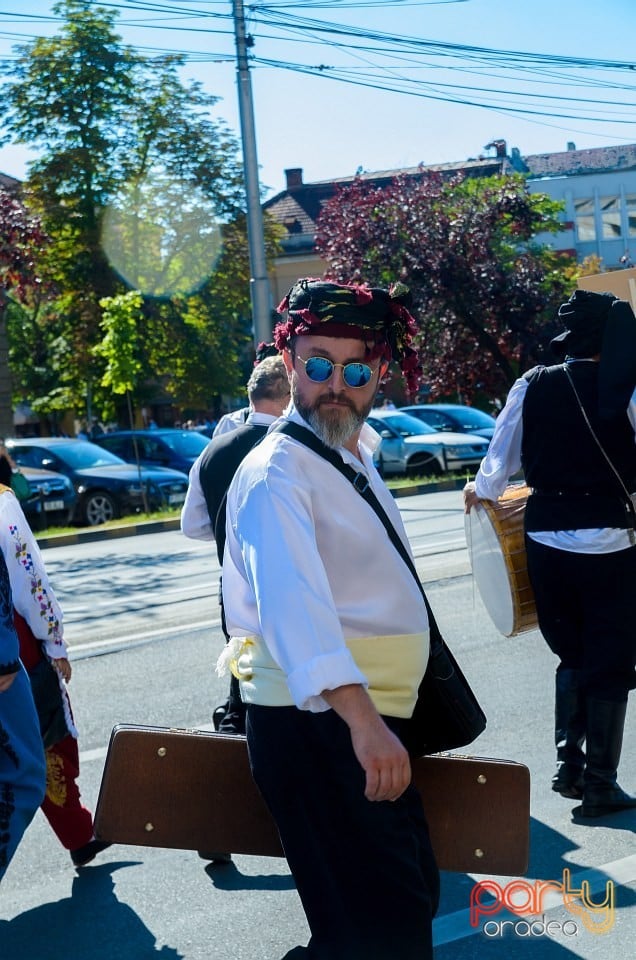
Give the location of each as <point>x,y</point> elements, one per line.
<point>98,507</point>
<point>380,466</point>
<point>423,467</point>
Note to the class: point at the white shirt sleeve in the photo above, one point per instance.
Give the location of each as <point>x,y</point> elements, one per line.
<point>274,543</point>
<point>195,519</point>
<point>33,596</point>
<point>504,453</point>
<point>230,421</point>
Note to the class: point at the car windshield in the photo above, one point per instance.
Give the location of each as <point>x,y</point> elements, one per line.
<point>80,455</point>
<point>474,419</point>
<point>406,425</point>
<point>187,443</point>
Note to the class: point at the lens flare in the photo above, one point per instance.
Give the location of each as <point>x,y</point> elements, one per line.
<point>162,236</point>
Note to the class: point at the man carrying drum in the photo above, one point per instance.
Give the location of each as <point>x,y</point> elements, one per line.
<point>572,428</point>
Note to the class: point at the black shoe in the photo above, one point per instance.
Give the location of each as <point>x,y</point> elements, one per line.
<point>88,852</point>
<point>233,722</point>
<point>602,801</point>
<point>218,714</point>
<point>568,781</point>
<point>215,857</point>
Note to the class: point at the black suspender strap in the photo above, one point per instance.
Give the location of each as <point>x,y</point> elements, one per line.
<point>363,487</point>
<point>447,714</point>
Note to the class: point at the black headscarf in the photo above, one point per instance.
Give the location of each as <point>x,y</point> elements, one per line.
<point>378,316</point>
<point>600,323</point>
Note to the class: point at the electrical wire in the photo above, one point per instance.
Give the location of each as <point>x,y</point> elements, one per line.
<point>388,62</point>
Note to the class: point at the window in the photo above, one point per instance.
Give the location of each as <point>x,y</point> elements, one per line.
<point>29,457</point>
<point>611,218</point>
<point>630,203</point>
<point>584,216</point>
<point>435,419</point>
<point>116,445</point>
<point>151,449</point>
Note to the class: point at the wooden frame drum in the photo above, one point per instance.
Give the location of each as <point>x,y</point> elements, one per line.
<point>497,551</point>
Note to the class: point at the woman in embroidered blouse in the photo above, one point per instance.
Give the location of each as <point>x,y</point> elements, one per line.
<point>38,621</point>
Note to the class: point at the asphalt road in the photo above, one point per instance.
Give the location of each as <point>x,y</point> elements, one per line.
<point>142,622</point>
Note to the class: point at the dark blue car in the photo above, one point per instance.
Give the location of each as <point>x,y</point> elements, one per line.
<point>177,449</point>
<point>454,417</point>
<point>105,485</point>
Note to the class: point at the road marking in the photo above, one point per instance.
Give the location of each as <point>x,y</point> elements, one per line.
<point>443,546</point>
<point>79,651</point>
<point>140,597</point>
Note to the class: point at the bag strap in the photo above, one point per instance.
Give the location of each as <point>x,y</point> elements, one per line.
<point>362,486</point>
<point>630,506</point>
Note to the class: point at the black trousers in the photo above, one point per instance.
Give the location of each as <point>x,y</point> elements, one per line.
<point>586,613</point>
<point>365,871</point>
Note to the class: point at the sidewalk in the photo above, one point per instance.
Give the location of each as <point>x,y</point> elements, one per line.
<point>92,534</point>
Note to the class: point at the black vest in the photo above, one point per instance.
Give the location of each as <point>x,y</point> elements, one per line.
<point>573,485</point>
<point>219,462</point>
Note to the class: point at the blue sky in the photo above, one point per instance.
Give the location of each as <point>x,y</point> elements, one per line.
<point>331,128</point>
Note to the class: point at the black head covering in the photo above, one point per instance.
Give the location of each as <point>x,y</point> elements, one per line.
<point>379,316</point>
<point>584,315</point>
<point>600,323</point>
<point>264,350</point>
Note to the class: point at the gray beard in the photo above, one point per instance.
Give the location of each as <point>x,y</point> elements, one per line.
<point>333,429</point>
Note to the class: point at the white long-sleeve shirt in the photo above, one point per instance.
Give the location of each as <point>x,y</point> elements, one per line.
<point>195,519</point>
<point>503,460</point>
<point>310,573</point>
<point>230,421</point>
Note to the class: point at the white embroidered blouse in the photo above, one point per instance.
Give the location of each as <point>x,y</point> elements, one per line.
<point>33,596</point>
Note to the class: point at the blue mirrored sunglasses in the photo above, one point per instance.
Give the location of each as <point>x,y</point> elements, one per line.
<point>320,369</point>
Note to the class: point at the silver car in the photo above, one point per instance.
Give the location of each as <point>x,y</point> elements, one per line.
<point>409,446</point>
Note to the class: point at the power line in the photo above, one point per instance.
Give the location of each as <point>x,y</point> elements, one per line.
<point>389,61</point>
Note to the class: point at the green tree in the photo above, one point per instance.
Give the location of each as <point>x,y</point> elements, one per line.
<point>124,146</point>
<point>120,318</point>
<point>22,245</point>
<point>484,290</point>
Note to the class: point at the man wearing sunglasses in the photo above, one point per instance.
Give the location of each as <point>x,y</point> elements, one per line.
<point>328,664</point>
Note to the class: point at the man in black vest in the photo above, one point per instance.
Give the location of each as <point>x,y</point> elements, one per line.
<point>203,513</point>
<point>572,428</point>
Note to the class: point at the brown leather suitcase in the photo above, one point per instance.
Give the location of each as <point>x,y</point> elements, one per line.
<point>193,790</point>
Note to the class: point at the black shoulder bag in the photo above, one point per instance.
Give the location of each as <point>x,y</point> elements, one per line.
<point>447,714</point>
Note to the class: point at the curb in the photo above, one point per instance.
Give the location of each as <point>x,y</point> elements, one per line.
<point>439,486</point>
<point>94,534</point>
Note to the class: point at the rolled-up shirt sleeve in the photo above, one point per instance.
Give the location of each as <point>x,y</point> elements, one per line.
<point>195,518</point>
<point>274,534</point>
<point>504,452</point>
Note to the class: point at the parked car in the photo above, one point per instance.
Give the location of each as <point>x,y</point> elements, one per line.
<point>52,499</point>
<point>177,449</point>
<point>410,447</point>
<point>405,454</point>
<point>454,417</point>
<point>105,485</point>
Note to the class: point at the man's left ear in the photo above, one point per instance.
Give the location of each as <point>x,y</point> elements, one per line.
<point>384,368</point>
<point>288,360</point>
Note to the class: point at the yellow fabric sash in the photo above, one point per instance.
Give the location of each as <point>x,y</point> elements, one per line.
<point>393,666</point>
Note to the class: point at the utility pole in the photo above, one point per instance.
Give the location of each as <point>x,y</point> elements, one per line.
<point>259,281</point>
